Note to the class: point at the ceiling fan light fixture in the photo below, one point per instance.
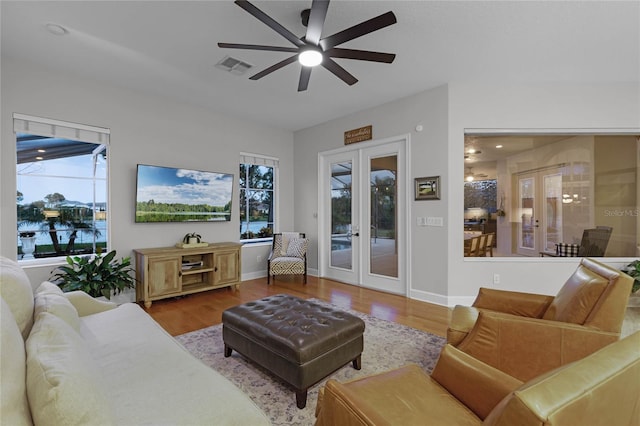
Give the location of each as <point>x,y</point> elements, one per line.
<point>313,49</point>
<point>469,178</point>
<point>310,57</point>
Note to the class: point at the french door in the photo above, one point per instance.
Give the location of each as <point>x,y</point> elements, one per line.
<point>363,199</point>
<point>540,199</point>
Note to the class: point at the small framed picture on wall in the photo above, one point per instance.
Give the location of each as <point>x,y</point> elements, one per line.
<point>428,188</point>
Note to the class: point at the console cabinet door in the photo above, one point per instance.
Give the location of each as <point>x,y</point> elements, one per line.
<point>226,267</point>
<point>164,275</point>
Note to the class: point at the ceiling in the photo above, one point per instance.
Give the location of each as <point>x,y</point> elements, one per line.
<point>169,48</point>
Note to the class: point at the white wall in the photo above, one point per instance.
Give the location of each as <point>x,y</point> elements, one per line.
<point>542,106</point>
<point>428,158</point>
<point>439,273</point>
<point>144,129</point>
<point>155,130</point>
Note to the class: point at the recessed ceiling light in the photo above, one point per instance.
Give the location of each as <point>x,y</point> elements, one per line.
<point>56,29</point>
<point>42,150</point>
<point>498,146</point>
<point>471,151</point>
<point>39,158</point>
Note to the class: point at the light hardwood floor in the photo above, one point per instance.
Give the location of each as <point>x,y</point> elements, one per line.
<point>189,313</point>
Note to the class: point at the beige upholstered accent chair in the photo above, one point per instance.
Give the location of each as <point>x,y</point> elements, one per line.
<point>600,390</point>
<point>288,255</point>
<point>526,334</point>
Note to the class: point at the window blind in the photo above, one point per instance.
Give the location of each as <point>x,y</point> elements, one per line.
<point>260,160</point>
<point>60,129</point>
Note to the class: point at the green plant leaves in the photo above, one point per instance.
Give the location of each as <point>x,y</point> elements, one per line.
<point>96,276</point>
<point>633,270</point>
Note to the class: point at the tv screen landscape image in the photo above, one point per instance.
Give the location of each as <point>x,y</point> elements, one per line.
<point>166,194</point>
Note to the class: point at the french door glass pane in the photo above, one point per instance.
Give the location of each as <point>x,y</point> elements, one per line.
<point>341,199</point>
<point>553,212</point>
<point>384,246</point>
<point>527,192</point>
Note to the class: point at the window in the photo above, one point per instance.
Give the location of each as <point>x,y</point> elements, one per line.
<point>539,192</point>
<point>258,177</point>
<point>61,191</point>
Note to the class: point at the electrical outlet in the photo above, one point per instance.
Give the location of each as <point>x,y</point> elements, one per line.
<point>496,278</point>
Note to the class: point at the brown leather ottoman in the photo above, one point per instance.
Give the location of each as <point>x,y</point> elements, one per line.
<point>299,341</point>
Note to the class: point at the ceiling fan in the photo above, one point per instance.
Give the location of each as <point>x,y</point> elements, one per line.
<point>315,48</point>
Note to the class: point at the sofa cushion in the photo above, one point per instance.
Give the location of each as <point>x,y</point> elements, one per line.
<point>477,385</point>
<point>13,390</point>
<point>59,306</point>
<point>153,380</point>
<point>63,383</point>
<point>48,288</point>
<point>577,297</point>
<point>403,396</point>
<point>600,389</point>
<point>16,290</point>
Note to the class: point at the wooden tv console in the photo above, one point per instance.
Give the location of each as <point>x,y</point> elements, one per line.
<point>171,271</point>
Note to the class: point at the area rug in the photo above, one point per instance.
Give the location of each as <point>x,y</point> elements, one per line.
<point>387,345</point>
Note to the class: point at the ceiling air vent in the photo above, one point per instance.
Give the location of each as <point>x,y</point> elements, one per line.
<point>233,65</point>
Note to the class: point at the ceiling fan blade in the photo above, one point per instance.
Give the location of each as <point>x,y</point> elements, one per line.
<point>305,74</point>
<point>258,47</point>
<point>275,67</point>
<point>358,30</point>
<point>339,72</point>
<point>270,22</point>
<point>316,21</point>
<point>361,55</point>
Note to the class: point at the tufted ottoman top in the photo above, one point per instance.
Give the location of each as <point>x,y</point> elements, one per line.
<point>295,328</point>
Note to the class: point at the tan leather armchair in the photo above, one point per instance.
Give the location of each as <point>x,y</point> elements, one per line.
<point>525,334</point>
<point>601,389</point>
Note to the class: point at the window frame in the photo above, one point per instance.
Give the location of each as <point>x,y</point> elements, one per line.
<point>46,127</point>
<point>260,160</point>
<point>535,132</point>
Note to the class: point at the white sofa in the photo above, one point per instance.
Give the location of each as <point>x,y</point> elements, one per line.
<point>68,359</point>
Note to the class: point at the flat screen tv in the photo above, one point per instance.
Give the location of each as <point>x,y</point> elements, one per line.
<point>166,194</point>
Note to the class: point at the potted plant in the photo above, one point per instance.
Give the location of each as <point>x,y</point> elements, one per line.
<point>192,238</point>
<point>97,276</point>
<point>633,270</point>
<point>28,242</point>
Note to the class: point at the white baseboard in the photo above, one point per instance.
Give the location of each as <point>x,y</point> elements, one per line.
<point>253,275</point>
<point>263,274</point>
<point>441,300</point>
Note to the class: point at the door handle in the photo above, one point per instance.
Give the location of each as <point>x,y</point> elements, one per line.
<point>357,234</point>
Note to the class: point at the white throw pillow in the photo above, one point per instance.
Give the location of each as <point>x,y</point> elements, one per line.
<point>48,287</point>
<point>63,382</point>
<point>297,247</point>
<point>59,306</point>
<point>16,290</point>
<point>13,388</point>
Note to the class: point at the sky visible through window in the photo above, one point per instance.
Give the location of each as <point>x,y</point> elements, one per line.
<point>38,179</point>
